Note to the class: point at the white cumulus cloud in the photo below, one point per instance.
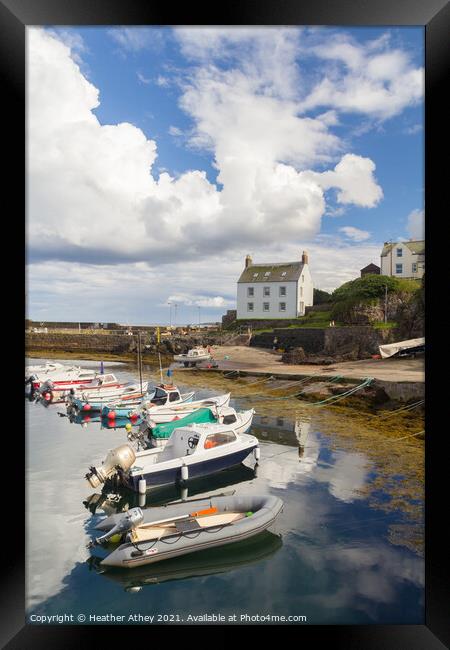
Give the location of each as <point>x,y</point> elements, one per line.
<point>416,224</point>
<point>356,234</point>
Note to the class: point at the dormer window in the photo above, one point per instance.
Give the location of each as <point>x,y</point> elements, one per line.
<point>266,274</point>
<point>283,274</point>
<point>255,275</point>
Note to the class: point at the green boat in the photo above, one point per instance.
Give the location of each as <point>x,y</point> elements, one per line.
<point>161,432</point>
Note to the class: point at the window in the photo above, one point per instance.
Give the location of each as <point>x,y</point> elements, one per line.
<point>249,306</point>
<point>266,274</point>
<point>255,275</point>
<point>282,306</point>
<point>250,291</point>
<point>229,419</point>
<point>266,306</point>
<point>399,268</point>
<point>217,439</point>
<point>399,252</point>
<point>302,307</point>
<point>173,397</point>
<point>301,292</point>
<point>266,291</point>
<point>282,291</point>
<point>414,267</point>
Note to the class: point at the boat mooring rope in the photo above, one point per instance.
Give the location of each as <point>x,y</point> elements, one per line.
<point>410,435</point>
<point>337,398</point>
<point>408,407</point>
<point>232,373</point>
<point>263,396</point>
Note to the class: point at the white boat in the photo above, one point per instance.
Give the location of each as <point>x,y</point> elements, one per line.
<point>402,348</point>
<point>190,452</point>
<point>104,385</point>
<point>44,368</point>
<point>101,384</point>
<point>160,433</point>
<point>194,356</point>
<point>162,395</point>
<point>157,414</point>
<point>65,377</point>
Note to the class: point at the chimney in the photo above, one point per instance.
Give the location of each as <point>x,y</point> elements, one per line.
<point>304,257</point>
<point>248,261</point>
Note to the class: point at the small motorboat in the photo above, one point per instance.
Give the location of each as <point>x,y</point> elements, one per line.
<point>130,393</point>
<point>66,377</point>
<point>157,414</point>
<point>162,395</point>
<point>160,433</point>
<point>192,357</point>
<point>101,384</point>
<point>192,451</point>
<point>45,368</point>
<point>156,534</point>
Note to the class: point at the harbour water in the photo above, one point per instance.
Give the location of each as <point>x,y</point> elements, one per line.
<point>347,548</point>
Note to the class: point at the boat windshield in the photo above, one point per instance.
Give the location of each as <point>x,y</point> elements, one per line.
<point>160,397</point>
<point>217,439</point>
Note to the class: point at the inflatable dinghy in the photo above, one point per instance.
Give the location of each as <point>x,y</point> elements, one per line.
<point>156,534</point>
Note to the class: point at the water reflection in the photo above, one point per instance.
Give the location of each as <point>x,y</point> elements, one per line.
<point>206,563</point>
<point>336,563</point>
<point>123,499</point>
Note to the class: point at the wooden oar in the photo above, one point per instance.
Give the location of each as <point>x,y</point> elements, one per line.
<point>192,515</point>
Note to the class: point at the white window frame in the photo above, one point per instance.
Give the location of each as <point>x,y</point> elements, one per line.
<point>280,308</point>
<point>397,272</point>
<point>414,267</point>
<point>250,292</point>
<point>266,291</point>
<point>250,306</point>
<point>282,291</point>
<point>266,304</point>
<point>399,252</point>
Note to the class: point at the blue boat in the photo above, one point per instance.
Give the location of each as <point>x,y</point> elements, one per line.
<point>191,452</point>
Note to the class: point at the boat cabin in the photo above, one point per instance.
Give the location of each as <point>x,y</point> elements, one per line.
<point>196,439</point>
<point>165,394</point>
<point>197,352</point>
<point>106,380</point>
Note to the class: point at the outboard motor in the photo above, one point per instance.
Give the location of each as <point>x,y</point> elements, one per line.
<point>130,520</point>
<point>121,457</point>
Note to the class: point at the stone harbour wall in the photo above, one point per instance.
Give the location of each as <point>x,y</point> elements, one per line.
<point>336,343</point>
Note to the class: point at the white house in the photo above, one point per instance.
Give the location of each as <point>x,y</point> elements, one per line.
<point>270,291</point>
<point>403,259</point>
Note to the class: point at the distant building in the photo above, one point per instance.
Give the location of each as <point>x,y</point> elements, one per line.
<point>404,259</point>
<point>372,269</point>
<point>268,291</point>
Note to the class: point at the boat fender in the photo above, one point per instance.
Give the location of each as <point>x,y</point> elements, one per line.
<point>257,453</point>
<point>184,472</point>
<point>142,486</point>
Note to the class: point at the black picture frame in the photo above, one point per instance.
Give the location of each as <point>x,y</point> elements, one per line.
<point>433,15</point>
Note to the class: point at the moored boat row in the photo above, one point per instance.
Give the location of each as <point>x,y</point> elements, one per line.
<point>179,439</point>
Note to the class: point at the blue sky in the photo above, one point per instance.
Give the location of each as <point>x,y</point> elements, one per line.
<point>159,157</point>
